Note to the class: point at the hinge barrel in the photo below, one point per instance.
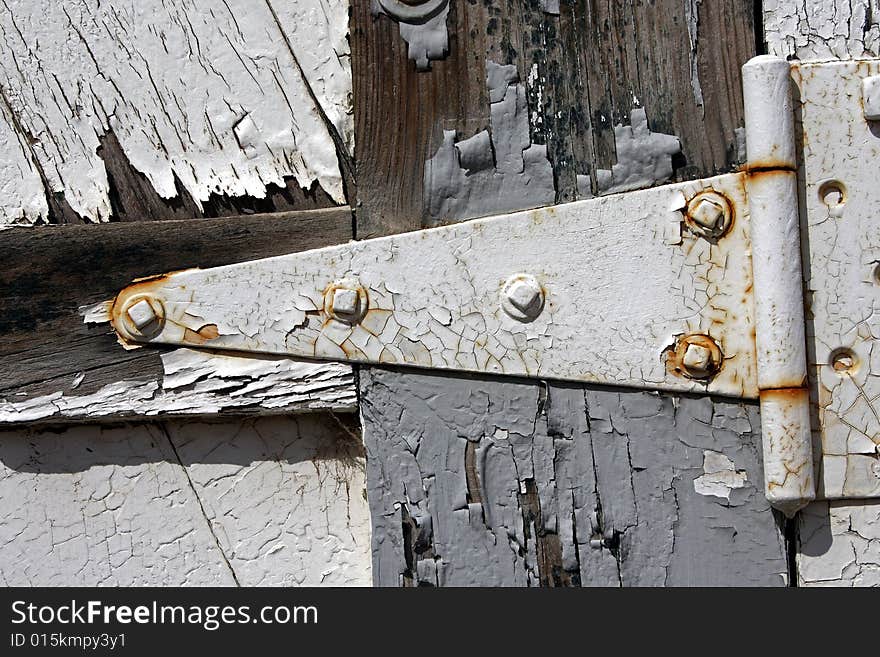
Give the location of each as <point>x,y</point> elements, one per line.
<point>777,274</point>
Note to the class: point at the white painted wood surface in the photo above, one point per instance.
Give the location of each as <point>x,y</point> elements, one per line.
<point>198,383</point>
<point>622,279</point>
<point>274,501</point>
<point>216,94</point>
<point>838,544</point>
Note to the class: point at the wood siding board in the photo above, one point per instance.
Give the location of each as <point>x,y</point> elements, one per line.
<point>48,273</point>
<point>590,67</point>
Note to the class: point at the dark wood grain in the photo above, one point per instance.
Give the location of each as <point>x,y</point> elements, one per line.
<point>132,197</point>
<point>594,59</point>
<point>50,271</point>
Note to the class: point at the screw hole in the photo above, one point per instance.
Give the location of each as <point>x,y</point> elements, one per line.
<point>843,361</point>
<point>833,194</point>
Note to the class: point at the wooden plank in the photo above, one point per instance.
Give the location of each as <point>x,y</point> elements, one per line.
<point>567,487</point>
<point>584,71</point>
<point>177,110</point>
<point>50,272</point>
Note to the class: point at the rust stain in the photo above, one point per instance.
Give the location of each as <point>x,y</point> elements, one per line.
<point>785,396</point>
<point>675,357</point>
<point>767,168</point>
<point>203,335</point>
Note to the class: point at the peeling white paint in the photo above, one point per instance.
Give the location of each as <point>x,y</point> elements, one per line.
<point>692,16</point>
<point>720,476</point>
<point>422,25</point>
<point>644,158</point>
<point>822,29</point>
<point>208,94</point>
<point>495,170</point>
<point>202,383</point>
<point>271,502</point>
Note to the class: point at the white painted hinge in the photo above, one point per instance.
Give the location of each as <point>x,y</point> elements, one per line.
<point>693,287</point>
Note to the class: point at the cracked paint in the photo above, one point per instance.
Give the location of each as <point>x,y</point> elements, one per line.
<point>273,501</point>
<point>214,97</point>
<point>839,544</point>
<point>821,29</point>
<point>450,315</point>
<point>477,482</point>
<point>841,240</point>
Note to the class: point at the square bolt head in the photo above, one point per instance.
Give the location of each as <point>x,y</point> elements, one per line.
<point>871,97</point>
<point>708,214</point>
<point>141,314</point>
<point>697,358</point>
<point>524,296</point>
<point>346,301</point>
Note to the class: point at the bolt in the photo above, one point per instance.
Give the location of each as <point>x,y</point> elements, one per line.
<point>142,316</point>
<point>709,214</point>
<point>871,97</point>
<point>522,297</point>
<point>697,356</point>
<point>345,301</point>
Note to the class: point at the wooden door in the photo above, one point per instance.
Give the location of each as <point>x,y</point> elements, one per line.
<point>200,135</point>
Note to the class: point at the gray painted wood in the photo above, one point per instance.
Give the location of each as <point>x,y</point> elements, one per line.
<point>512,483</point>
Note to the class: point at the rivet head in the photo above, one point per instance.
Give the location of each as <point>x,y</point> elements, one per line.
<point>522,297</point>
<point>696,356</point>
<point>346,301</point>
<point>709,214</point>
<point>142,316</point>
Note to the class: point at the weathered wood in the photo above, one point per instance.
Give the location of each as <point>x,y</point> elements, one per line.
<point>482,481</point>
<point>571,485</point>
<point>50,272</point>
<point>584,71</point>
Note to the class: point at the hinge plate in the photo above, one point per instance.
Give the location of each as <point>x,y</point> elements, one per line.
<point>840,221</point>
<point>618,281</point>
<point>650,289</point>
